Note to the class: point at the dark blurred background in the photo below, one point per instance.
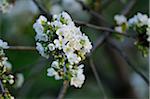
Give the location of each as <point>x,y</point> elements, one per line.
<point>118,79</point>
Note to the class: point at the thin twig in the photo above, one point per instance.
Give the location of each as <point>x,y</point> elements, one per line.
<point>80,23</point>
<point>28,48</point>
<point>103,28</point>
<point>99,82</point>
<point>2,87</point>
<point>98,43</point>
<point>92,12</point>
<point>106,4</point>
<point>123,54</point>
<point>85,23</point>
<point>128,7</point>
<point>42,10</point>
<point>125,11</point>
<point>63,90</point>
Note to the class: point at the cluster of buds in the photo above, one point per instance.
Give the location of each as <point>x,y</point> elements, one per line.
<point>68,45</point>
<point>6,77</point>
<point>139,23</point>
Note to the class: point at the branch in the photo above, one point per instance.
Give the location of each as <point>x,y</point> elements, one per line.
<point>63,90</point>
<point>103,28</point>
<point>92,12</point>
<point>30,48</point>
<point>2,87</point>
<point>94,70</point>
<point>85,23</point>
<point>27,48</point>
<point>106,4</point>
<point>128,7</point>
<point>123,54</point>
<point>98,43</point>
<point>42,10</point>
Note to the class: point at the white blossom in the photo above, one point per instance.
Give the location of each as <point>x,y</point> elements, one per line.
<point>138,20</point>
<point>12,97</point>
<point>133,20</point>
<point>11,76</point>
<point>80,69</point>
<point>140,23</point>
<point>51,72</point>
<point>66,16</point>
<point>40,49</point>
<point>67,49</point>
<point>73,58</point>
<point>7,65</point>
<point>55,64</point>
<point>41,37</point>
<point>3,45</point>
<point>148,22</point>
<point>118,29</point>
<point>78,79</point>
<point>11,79</point>
<point>38,28</point>
<point>58,44</point>
<point>87,44</point>
<point>20,80</point>
<point>56,24</point>
<point>57,77</point>
<point>148,33</point>
<point>143,18</point>
<point>41,19</point>
<point>51,46</point>
<point>120,19</point>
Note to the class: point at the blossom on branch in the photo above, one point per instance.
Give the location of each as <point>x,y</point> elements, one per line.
<point>121,22</point>
<point>140,23</point>
<point>68,45</point>
<point>6,77</point>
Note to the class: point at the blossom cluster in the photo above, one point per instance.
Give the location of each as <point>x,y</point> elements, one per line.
<point>121,22</point>
<point>68,45</point>
<point>140,23</point>
<point>5,71</point>
<point>5,6</point>
<point>6,76</point>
